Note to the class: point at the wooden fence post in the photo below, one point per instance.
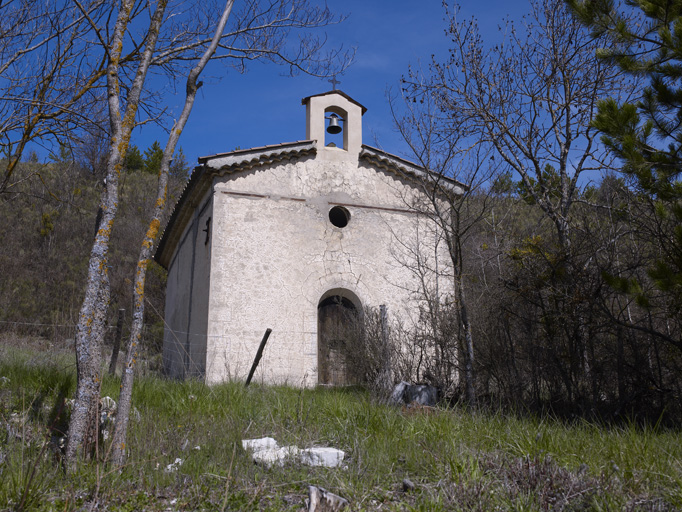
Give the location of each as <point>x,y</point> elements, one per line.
<point>259,354</point>
<point>117,342</point>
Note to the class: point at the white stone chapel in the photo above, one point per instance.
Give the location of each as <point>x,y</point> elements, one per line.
<point>286,237</point>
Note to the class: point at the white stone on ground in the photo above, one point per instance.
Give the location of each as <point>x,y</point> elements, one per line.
<point>267,451</point>
<point>275,456</point>
<point>170,468</point>
<point>265,443</point>
<point>321,500</point>
<point>327,457</point>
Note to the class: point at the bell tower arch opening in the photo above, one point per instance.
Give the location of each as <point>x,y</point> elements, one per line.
<point>339,315</point>
<point>335,135</point>
<point>337,118</point>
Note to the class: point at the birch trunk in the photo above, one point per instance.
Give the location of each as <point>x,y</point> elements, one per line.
<point>125,398</point>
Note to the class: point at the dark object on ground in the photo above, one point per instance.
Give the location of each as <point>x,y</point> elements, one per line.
<point>408,485</point>
<point>259,354</point>
<point>405,393</point>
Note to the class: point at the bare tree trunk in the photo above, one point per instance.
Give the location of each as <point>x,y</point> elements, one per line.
<point>125,398</point>
<point>454,241</point>
<point>83,424</point>
<point>469,373</point>
<point>96,303</point>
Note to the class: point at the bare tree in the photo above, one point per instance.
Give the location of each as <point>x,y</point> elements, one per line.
<point>531,97</point>
<point>94,309</point>
<point>47,81</point>
<point>53,59</point>
<point>529,100</point>
<point>456,208</point>
<point>259,30</point>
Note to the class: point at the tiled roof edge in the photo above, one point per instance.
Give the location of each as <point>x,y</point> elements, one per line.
<point>394,163</point>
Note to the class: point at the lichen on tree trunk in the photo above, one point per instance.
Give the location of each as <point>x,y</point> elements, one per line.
<point>118,455</point>
<point>83,426</point>
<point>92,320</point>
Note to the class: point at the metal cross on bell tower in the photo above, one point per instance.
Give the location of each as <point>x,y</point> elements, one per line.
<point>334,82</point>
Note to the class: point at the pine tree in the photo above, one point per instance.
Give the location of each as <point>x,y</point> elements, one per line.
<point>152,158</point>
<point>133,160</point>
<point>180,168</point>
<point>646,43</point>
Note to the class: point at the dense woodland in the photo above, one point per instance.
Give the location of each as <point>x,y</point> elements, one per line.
<point>566,248</point>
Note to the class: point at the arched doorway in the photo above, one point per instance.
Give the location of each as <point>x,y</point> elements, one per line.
<point>337,332</point>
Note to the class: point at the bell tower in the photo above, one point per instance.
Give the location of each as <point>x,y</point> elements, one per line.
<point>334,112</point>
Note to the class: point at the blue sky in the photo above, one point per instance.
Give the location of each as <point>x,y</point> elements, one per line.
<point>263,107</point>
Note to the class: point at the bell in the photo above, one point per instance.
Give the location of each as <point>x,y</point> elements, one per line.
<point>334,126</point>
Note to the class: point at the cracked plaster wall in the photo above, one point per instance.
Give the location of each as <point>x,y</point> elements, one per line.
<point>274,257</point>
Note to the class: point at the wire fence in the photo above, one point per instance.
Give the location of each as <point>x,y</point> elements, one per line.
<point>64,333</point>
<point>57,333</point>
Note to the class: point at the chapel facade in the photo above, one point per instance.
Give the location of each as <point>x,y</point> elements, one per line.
<point>297,237</point>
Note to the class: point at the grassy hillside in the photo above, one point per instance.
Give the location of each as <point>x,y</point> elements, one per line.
<point>457,460</point>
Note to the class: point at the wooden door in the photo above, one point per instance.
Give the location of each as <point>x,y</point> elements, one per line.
<point>335,325</point>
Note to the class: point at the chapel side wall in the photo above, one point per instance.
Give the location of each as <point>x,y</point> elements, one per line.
<point>177,309</point>
<point>280,254</point>
<point>186,312</point>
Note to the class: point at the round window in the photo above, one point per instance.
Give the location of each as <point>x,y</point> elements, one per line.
<point>339,216</point>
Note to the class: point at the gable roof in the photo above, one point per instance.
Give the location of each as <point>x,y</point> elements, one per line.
<point>305,100</point>
<point>253,157</point>
<point>240,160</point>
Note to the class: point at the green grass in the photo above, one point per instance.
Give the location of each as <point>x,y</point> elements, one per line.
<point>458,460</point>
